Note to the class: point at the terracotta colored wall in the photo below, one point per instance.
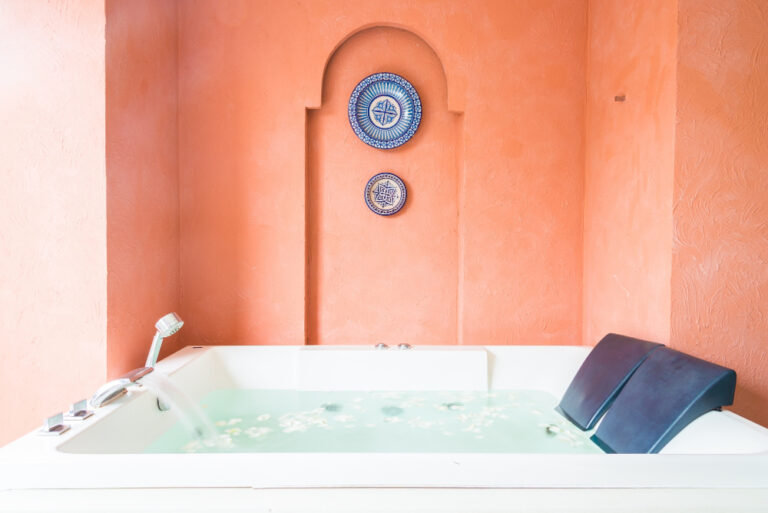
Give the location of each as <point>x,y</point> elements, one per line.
<point>629,168</point>
<point>142,177</point>
<point>52,220</point>
<point>372,278</point>
<point>515,70</point>
<point>719,273</point>
<point>521,209</point>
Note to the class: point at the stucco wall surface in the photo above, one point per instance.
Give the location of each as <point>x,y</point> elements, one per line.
<point>53,294</point>
<point>375,279</point>
<point>720,257</point>
<point>514,71</point>
<point>142,177</point>
<point>629,168</point>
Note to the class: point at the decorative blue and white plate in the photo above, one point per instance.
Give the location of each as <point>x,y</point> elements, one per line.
<point>384,110</point>
<point>385,194</point>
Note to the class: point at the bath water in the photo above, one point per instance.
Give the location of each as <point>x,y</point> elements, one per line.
<point>520,421</point>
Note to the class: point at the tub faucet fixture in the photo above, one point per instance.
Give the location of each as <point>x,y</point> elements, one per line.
<point>166,326</point>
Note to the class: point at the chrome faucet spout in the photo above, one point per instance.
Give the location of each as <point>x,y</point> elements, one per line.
<point>117,387</point>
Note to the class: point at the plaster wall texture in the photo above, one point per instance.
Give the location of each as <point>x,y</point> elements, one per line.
<point>381,279</point>
<point>719,271</point>
<point>53,267</point>
<point>629,169</point>
<point>505,255</point>
<point>142,177</point>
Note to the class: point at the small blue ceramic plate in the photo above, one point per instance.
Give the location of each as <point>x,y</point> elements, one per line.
<point>385,194</point>
<point>384,110</point>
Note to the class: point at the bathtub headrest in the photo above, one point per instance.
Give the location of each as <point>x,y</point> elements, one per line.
<point>668,391</point>
<point>601,377</point>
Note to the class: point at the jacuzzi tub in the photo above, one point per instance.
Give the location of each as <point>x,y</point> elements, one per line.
<point>720,460</point>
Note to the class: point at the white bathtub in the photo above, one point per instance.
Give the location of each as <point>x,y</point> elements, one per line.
<point>719,461</point>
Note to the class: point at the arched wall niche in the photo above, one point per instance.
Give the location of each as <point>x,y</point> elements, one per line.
<point>454,83</point>
<point>370,278</point>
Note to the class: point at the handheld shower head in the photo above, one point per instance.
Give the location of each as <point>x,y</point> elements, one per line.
<point>166,326</point>
<point>169,324</point>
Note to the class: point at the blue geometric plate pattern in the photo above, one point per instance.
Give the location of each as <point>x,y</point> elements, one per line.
<point>384,110</point>
<point>385,194</point>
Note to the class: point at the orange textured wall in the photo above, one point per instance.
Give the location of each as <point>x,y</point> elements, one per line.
<point>521,205</point>
<point>371,278</point>
<point>53,296</point>
<point>629,168</point>
<point>719,272</point>
<point>142,177</point>
<point>249,71</point>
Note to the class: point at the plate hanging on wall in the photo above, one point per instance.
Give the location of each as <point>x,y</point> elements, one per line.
<point>384,110</point>
<point>385,194</point>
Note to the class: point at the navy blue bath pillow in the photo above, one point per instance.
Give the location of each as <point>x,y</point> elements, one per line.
<point>601,377</point>
<point>667,392</point>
